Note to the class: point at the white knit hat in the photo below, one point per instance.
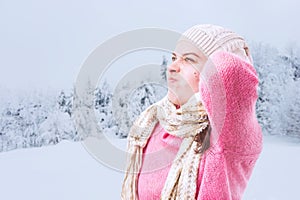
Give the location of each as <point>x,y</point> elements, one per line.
<point>211,38</point>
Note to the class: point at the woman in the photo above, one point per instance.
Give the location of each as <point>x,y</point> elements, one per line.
<point>202,140</point>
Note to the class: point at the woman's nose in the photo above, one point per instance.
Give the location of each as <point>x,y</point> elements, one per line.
<point>174,67</point>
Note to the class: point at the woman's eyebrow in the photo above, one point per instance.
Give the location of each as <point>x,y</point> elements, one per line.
<point>191,53</point>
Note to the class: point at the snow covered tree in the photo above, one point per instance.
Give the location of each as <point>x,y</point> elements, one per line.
<point>291,56</point>
<point>277,89</point>
<point>22,117</point>
<point>264,61</point>
<point>65,102</point>
<point>83,112</point>
<point>103,105</point>
<point>163,69</point>
<point>140,99</point>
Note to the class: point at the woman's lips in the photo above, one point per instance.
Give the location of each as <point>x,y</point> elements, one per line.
<point>171,79</point>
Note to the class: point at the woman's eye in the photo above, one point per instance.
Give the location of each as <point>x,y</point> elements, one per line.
<point>189,60</point>
<point>173,58</point>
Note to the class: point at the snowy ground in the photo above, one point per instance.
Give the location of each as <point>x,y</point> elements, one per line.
<point>66,171</point>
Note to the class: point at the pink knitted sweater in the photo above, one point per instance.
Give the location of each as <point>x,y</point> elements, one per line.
<point>226,167</point>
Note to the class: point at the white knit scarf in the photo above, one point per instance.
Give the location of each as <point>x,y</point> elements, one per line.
<point>187,122</point>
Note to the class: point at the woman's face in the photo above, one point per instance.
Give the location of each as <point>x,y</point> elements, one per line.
<point>183,73</point>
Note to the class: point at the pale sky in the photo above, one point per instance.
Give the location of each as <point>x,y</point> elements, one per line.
<point>44,43</point>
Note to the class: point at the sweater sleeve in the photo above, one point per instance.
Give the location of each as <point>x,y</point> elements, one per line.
<point>228,89</point>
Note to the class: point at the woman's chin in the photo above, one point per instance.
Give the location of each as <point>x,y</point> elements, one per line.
<point>179,99</point>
